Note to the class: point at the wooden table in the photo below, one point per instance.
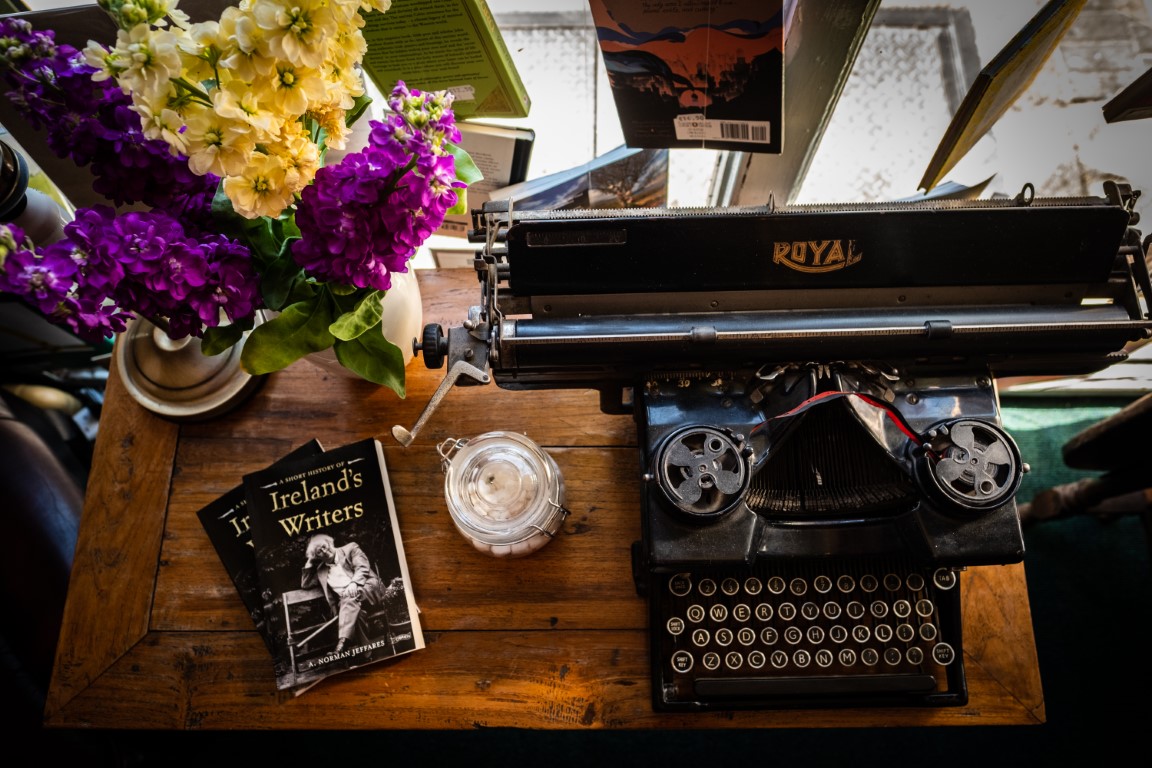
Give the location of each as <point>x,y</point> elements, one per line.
<point>156,637</point>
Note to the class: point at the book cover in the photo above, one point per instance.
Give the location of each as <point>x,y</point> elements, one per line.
<point>451,45</point>
<point>502,153</point>
<point>331,563</point>
<point>625,177</point>
<point>696,74</point>
<point>226,522</point>
<point>1000,83</point>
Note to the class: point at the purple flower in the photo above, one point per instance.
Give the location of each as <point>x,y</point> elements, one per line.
<point>109,268</point>
<point>90,122</point>
<point>363,219</point>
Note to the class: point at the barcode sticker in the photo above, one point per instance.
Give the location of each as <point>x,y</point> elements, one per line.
<point>463,92</point>
<point>699,128</point>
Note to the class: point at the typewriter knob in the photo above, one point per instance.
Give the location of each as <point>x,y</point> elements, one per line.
<point>433,346</point>
<point>702,470</point>
<point>974,465</point>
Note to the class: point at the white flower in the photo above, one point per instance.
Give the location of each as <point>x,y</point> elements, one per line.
<point>105,61</point>
<point>149,58</point>
<point>159,121</point>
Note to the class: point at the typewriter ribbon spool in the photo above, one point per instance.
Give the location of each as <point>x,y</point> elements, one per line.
<point>972,464</point>
<point>504,492</point>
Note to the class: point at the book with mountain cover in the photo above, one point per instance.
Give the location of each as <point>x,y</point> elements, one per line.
<point>331,560</point>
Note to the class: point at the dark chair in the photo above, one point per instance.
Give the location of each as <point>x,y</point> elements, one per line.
<point>1112,447</point>
<point>309,623</point>
<point>43,498</point>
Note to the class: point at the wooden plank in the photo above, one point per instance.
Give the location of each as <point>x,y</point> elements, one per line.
<point>455,586</point>
<point>114,568</point>
<point>583,680</point>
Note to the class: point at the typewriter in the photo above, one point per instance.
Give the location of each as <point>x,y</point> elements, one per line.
<point>814,389</point>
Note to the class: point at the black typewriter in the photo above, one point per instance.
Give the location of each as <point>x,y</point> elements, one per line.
<point>815,394</point>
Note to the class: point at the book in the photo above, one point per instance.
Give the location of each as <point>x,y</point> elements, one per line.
<point>502,153</point>
<point>446,45</point>
<point>625,177</point>
<point>227,523</point>
<point>331,561</point>
<point>686,74</point>
<point>1132,103</point>
<point>1000,84</point>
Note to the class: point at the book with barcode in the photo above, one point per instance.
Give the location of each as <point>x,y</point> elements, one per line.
<point>696,75</point>
<point>226,521</point>
<point>446,45</point>
<point>331,563</point>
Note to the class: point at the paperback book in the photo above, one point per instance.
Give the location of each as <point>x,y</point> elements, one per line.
<point>446,45</point>
<point>331,563</point>
<point>226,522</point>
<point>689,74</point>
<point>502,153</point>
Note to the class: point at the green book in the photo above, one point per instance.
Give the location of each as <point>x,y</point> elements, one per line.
<point>446,45</point>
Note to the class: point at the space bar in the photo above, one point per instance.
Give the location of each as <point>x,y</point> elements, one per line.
<point>735,687</point>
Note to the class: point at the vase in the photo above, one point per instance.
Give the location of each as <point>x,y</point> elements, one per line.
<point>173,378</point>
<point>401,322</point>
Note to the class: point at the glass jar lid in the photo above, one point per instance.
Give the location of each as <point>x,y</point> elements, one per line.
<point>502,488</point>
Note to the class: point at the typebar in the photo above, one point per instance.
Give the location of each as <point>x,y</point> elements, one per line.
<point>740,687</point>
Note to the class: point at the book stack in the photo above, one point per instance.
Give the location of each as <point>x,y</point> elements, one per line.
<point>313,546</point>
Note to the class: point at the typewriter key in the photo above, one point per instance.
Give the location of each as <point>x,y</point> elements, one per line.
<point>505,493</point>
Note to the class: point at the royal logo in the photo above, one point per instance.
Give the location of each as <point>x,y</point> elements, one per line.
<point>816,255</point>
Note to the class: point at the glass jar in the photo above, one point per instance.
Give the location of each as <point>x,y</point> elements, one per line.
<point>504,492</point>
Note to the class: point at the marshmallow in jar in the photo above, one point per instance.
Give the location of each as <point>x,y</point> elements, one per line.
<point>504,492</point>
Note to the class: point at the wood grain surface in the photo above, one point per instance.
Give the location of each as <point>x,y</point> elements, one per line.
<point>155,636</point>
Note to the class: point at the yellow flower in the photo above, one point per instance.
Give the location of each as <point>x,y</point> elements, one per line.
<point>260,190</point>
<point>201,49</point>
<point>294,88</point>
<point>239,100</point>
<point>216,144</point>
<point>299,156</point>
<point>332,120</point>
<point>296,30</point>
<point>244,48</point>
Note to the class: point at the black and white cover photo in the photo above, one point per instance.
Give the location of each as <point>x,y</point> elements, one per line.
<point>331,563</point>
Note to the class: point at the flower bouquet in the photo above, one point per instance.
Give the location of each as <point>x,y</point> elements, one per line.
<point>220,130</point>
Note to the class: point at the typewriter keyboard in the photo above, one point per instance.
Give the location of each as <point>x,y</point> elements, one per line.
<point>823,631</point>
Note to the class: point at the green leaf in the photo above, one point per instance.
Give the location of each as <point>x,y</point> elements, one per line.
<point>461,206</point>
<point>373,357</point>
<point>223,337</point>
<point>258,234</point>
<point>466,170</point>
<point>357,111</point>
<point>281,280</point>
<point>366,314</point>
<point>302,328</point>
